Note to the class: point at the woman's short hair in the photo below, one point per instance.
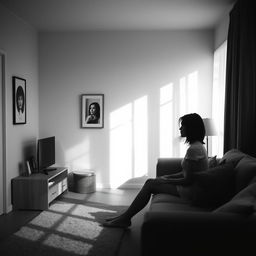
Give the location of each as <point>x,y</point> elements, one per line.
<point>97,107</point>
<point>20,93</point>
<point>194,125</point>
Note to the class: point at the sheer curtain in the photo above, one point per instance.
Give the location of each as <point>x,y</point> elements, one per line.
<point>218,98</point>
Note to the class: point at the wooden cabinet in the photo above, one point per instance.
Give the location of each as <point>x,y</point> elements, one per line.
<point>38,190</point>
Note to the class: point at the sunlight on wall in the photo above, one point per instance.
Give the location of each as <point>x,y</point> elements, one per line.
<point>128,142</point>
<point>176,100</point>
<point>140,127</point>
<point>120,145</point>
<point>189,94</point>
<point>166,120</point>
<point>188,99</point>
<point>78,157</point>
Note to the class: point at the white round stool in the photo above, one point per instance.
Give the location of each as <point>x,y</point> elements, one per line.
<point>84,182</point>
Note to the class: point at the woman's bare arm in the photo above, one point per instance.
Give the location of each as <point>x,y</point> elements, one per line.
<point>174,175</point>
<point>184,177</point>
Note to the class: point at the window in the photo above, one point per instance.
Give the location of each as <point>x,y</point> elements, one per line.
<point>176,100</point>
<point>218,97</point>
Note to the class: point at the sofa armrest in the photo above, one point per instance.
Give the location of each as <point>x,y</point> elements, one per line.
<point>167,166</point>
<point>195,233</point>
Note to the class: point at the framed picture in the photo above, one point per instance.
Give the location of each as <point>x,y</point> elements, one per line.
<point>19,100</point>
<point>92,110</point>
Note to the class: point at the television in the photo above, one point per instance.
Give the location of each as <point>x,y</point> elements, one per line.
<point>46,153</point>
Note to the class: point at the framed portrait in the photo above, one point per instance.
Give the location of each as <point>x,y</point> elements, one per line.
<point>92,114</point>
<point>19,100</point>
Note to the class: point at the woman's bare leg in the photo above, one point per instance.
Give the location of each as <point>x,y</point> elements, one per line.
<point>151,186</point>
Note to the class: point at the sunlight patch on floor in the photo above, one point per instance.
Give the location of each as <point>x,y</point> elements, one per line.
<point>67,244</point>
<point>79,228</point>
<point>46,219</point>
<point>30,234</point>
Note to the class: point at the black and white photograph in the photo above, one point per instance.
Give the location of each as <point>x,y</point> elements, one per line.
<point>92,111</point>
<point>19,100</point>
<point>127,127</point>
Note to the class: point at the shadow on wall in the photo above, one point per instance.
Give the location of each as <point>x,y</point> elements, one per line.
<point>29,150</point>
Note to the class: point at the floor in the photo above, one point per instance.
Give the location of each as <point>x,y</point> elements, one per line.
<point>11,222</point>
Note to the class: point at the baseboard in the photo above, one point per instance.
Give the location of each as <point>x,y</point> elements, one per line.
<point>9,209</point>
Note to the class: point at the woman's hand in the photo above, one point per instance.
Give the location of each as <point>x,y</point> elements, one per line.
<point>166,177</point>
<point>173,176</point>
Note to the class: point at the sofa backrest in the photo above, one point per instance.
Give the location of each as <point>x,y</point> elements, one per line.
<point>166,166</point>
<point>245,167</point>
<point>245,172</point>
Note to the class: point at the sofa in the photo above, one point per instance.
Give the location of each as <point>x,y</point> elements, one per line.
<point>220,218</point>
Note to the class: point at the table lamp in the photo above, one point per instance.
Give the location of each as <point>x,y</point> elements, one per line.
<point>210,129</point>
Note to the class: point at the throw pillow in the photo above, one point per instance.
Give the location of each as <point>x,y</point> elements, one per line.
<point>214,187</point>
<point>233,155</point>
<point>245,171</point>
<point>241,206</point>
<point>212,161</point>
<point>242,203</point>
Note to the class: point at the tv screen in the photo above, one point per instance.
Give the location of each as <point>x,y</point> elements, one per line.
<point>46,153</point>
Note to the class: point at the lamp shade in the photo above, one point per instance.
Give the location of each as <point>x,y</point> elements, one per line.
<point>210,129</point>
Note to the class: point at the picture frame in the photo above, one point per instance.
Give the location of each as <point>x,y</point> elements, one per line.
<point>19,100</point>
<point>92,110</point>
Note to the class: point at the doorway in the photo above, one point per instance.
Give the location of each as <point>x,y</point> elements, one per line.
<point>2,135</point>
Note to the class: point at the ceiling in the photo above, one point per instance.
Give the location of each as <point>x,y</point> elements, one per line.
<point>73,15</point>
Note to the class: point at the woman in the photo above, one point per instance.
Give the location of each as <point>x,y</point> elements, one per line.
<point>94,114</point>
<point>178,184</point>
<point>20,104</point>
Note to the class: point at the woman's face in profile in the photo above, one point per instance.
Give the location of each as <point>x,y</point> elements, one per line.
<point>93,109</point>
<point>20,102</point>
<point>182,131</point>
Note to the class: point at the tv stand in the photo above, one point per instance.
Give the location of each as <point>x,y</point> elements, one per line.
<point>38,190</point>
<point>50,169</point>
<point>45,171</point>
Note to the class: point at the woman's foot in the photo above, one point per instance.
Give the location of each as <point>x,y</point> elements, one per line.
<point>117,223</point>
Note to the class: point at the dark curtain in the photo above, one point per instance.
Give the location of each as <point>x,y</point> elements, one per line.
<point>240,99</point>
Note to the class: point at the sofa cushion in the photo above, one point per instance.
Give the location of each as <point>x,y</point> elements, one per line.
<point>214,186</point>
<point>233,155</point>
<point>212,161</point>
<point>166,198</point>
<point>245,172</point>
<point>174,207</point>
<point>242,203</point>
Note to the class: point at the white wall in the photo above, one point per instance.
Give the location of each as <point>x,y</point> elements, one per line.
<point>221,30</point>
<point>124,66</point>
<point>19,42</point>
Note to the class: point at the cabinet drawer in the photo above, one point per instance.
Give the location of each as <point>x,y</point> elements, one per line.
<point>57,189</point>
<point>53,192</point>
<point>64,184</point>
